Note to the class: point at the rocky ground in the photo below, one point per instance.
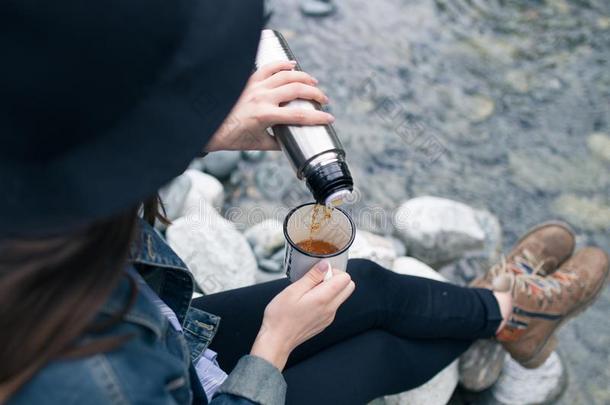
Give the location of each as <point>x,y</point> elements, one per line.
<point>503,105</point>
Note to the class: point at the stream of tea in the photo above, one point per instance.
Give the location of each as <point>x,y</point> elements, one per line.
<point>319,216</point>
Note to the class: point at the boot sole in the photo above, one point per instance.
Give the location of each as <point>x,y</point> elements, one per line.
<point>550,343</point>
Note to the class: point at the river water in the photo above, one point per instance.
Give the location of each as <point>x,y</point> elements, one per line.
<point>504,105</point>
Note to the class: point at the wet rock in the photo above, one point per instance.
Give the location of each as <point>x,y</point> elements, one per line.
<point>221,164</point>
<point>466,269</point>
<point>518,385</point>
<point>437,230</point>
<point>270,266</point>
<point>477,108</point>
<point>587,213</point>
<point>603,23</point>
<point>599,144</point>
<point>518,80</point>
<point>480,366</point>
<point>317,8</point>
<point>218,256</point>
<point>545,171</point>
<point>373,247</point>
<point>183,195</point>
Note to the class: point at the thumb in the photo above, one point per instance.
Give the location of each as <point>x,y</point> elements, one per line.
<point>312,278</point>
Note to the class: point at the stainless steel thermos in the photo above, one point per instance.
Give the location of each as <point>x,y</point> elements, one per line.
<point>315,151</point>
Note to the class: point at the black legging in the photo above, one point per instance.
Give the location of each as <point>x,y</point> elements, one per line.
<point>394,333</point>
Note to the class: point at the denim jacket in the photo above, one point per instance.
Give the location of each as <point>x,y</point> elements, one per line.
<point>155,365</point>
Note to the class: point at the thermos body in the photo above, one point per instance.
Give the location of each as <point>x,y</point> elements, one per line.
<point>314,151</point>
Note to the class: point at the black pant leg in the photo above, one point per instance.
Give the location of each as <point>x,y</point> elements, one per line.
<point>367,366</point>
<point>402,305</point>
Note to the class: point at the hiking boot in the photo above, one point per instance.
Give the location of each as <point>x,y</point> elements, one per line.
<point>543,304</point>
<point>540,251</point>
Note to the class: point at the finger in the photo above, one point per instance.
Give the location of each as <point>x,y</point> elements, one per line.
<point>311,279</point>
<point>266,71</point>
<point>287,77</point>
<point>329,290</point>
<point>297,116</point>
<point>344,294</point>
<point>293,91</point>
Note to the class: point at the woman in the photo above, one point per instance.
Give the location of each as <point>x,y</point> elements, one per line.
<point>102,105</point>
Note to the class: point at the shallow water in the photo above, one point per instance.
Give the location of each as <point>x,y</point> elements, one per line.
<point>504,105</point>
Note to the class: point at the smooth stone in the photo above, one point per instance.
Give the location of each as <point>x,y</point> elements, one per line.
<point>518,80</point>
<point>437,230</point>
<point>197,164</point>
<point>203,188</point>
<point>218,256</point>
<point>436,391</point>
<point>317,8</point>
<point>410,266</point>
<point>477,108</point>
<point>603,23</point>
<point>587,213</point>
<point>173,196</point>
<point>599,145</point>
<point>222,163</point>
<point>465,270</point>
<point>521,386</point>
<point>399,247</point>
<point>253,155</point>
<point>266,238</point>
<point>480,366</point>
<point>187,192</point>
<point>270,266</point>
<point>373,247</point>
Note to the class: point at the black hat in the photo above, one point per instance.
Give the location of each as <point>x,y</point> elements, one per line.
<point>102,102</point>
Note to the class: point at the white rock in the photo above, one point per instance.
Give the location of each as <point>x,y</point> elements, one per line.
<point>522,386</point>
<point>266,237</point>
<point>438,230</point>
<point>218,255</point>
<point>438,390</point>
<point>413,267</point>
<point>373,247</point>
<point>185,192</point>
<point>173,196</point>
<point>222,163</point>
<point>204,188</point>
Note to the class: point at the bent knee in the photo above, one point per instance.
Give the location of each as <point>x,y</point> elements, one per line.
<point>366,271</point>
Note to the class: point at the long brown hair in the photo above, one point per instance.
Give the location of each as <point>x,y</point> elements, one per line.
<point>50,290</point>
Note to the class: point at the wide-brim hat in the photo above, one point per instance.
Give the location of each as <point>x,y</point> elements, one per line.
<point>104,102</point>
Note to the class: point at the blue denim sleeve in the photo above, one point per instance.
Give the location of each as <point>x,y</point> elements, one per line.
<point>252,381</point>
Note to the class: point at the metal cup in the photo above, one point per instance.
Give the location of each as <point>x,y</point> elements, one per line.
<point>338,230</point>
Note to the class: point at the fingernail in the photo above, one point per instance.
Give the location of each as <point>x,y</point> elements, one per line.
<point>294,62</point>
<point>331,118</point>
<point>315,81</point>
<point>322,266</point>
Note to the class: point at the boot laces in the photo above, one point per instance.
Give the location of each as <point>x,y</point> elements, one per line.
<point>524,271</point>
